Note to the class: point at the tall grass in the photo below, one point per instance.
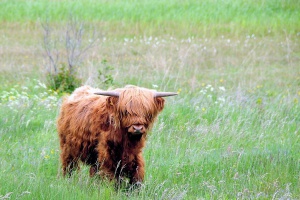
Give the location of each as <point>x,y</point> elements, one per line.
<point>200,148</point>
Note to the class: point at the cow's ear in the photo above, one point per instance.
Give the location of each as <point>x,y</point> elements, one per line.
<point>111,103</point>
<point>160,103</point>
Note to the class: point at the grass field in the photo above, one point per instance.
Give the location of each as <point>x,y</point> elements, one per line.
<point>233,132</point>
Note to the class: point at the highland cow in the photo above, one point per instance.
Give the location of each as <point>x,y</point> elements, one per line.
<point>107,130</point>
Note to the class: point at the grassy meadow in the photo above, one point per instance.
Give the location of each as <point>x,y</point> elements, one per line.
<point>233,132</point>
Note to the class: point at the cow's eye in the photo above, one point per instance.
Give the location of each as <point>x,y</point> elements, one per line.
<point>126,113</point>
<point>149,117</point>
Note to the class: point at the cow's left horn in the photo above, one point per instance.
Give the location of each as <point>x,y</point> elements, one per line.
<point>108,93</point>
<point>164,94</point>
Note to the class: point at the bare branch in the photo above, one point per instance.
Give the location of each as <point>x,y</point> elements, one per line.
<point>74,46</point>
<point>53,59</point>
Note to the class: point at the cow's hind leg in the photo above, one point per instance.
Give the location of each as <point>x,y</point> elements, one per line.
<point>70,168</point>
<point>94,169</point>
<point>69,164</point>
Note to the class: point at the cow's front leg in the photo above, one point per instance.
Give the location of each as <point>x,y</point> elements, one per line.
<point>138,171</point>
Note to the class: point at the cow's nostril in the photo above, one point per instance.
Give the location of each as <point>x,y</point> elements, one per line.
<point>138,127</point>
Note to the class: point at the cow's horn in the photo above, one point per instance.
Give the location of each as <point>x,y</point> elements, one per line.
<point>108,93</point>
<point>164,94</point>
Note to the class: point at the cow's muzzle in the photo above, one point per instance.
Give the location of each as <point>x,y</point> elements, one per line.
<point>136,129</point>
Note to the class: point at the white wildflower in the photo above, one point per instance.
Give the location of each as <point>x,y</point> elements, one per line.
<point>208,86</point>
<point>221,99</point>
<point>222,88</point>
<point>42,84</point>
<point>203,91</point>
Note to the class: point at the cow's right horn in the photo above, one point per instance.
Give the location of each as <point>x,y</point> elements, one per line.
<point>164,94</point>
<point>108,93</point>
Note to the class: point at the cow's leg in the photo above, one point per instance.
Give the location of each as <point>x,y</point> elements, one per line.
<point>71,167</point>
<point>138,172</point>
<point>105,165</point>
<point>69,163</point>
<point>94,169</point>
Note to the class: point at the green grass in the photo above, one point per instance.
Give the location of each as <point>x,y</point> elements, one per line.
<point>144,17</point>
<point>231,133</point>
<point>227,150</point>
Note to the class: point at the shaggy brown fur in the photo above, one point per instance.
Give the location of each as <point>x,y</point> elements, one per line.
<point>107,133</point>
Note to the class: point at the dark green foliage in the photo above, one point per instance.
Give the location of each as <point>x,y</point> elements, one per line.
<point>63,81</point>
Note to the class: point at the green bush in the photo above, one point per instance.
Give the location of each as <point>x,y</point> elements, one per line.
<point>64,81</point>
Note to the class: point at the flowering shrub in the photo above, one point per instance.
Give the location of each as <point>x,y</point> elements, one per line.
<point>22,97</point>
